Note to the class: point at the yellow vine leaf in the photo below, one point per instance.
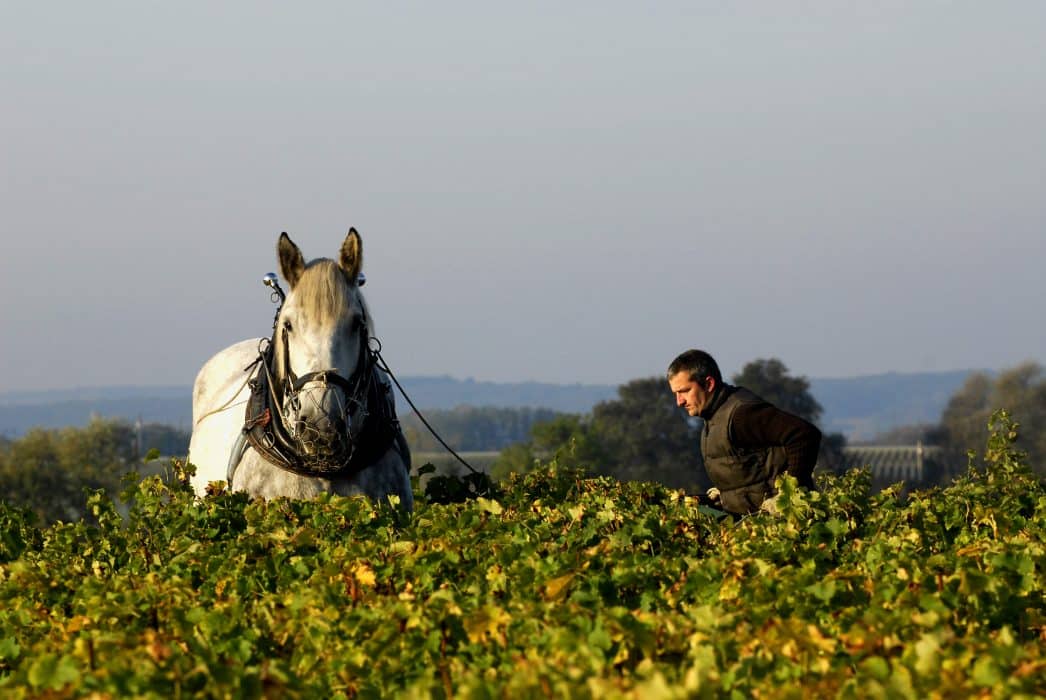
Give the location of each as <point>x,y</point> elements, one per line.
<point>555,587</point>
<point>364,575</point>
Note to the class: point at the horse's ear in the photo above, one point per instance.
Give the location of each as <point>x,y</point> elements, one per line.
<point>292,264</point>
<point>351,259</point>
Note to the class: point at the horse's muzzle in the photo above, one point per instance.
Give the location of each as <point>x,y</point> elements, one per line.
<point>320,422</point>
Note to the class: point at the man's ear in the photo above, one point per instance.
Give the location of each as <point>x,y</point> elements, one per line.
<point>710,384</point>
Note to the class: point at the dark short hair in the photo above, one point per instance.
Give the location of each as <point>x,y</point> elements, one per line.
<point>698,363</point>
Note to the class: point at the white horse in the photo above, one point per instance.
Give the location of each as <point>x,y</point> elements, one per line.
<point>307,411</point>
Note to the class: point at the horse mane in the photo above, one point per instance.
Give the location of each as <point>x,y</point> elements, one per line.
<point>323,293</point>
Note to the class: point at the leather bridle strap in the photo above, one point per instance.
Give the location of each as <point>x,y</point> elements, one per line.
<point>325,377</point>
<point>295,383</point>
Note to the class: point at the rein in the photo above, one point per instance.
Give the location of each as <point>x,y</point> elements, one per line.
<point>384,366</point>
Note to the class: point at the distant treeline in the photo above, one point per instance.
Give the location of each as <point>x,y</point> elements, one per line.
<point>22,411</point>
<point>859,407</point>
<point>19,418</point>
<point>474,429</point>
<point>47,471</point>
<point>640,435</point>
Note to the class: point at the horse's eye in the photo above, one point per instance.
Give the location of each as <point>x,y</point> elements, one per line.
<point>287,326</point>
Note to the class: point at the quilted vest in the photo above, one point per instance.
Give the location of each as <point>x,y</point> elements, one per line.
<point>744,477</point>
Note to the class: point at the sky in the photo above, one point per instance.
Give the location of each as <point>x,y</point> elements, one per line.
<point>559,192</point>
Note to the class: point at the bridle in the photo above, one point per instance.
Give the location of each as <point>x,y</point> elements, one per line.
<point>355,388</point>
<point>293,384</point>
<point>367,414</point>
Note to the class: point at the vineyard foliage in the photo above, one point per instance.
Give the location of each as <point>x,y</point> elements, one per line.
<point>558,585</point>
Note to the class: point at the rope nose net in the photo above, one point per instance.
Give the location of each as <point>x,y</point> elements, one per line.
<point>325,416</point>
<point>327,410</point>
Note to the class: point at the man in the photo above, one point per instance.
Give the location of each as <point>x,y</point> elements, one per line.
<point>746,442</point>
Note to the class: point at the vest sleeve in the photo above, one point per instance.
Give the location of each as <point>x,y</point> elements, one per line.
<point>762,425</point>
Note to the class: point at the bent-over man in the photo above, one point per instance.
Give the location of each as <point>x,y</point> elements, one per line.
<point>746,442</point>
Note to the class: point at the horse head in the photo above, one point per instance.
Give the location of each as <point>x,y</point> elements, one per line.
<point>321,362</point>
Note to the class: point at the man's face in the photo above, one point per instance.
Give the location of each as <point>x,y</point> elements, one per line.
<point>691,395</point>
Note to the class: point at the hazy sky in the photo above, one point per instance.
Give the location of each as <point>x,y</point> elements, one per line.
<point>551,191</point>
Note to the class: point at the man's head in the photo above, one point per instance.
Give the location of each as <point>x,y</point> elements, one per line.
<point>693,378</point>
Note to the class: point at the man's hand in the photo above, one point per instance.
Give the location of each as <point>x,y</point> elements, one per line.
<point>713,497</point>
<point>769,505</point>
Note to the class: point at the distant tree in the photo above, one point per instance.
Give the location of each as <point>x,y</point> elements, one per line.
<point>475,428</point>
<point>965,416</point>
<point>647,437</point>
<point>1020,390</point>
<point>769,378</point>
<point>48,470</point>
<point>515,459</point>
<point>641,435</point>
<point>567,438</point>
<point>168,440</point>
